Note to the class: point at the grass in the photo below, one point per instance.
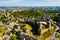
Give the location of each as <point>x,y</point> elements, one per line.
<point>58,36</point>
<point>45,35</point>
<point>1,30</point>
<point>40,37</point>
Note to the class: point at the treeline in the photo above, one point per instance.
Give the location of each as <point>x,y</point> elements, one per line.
<point>26,13</point>
<point>36,12</point>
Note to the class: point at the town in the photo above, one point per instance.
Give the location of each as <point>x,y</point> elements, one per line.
<point>29,23</point>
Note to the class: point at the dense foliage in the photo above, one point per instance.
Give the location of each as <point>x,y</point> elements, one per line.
<point>27,13</point>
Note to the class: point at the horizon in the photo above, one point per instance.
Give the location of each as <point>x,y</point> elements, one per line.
<point>29,6</point>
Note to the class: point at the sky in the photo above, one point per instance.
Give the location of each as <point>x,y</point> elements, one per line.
<point>29,2</point>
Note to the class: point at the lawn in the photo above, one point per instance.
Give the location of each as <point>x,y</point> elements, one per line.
<point>2,29</point>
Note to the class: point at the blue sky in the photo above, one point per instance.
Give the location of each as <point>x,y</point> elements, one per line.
<point>29,2</point>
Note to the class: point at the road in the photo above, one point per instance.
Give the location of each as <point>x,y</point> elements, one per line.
<point>52,37</point>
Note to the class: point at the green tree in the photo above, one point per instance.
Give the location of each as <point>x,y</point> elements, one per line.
<point>13,31</point>
<point>13,38</point>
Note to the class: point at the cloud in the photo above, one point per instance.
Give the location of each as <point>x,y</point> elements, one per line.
<point>5,0</point>
<point>29,2</point>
